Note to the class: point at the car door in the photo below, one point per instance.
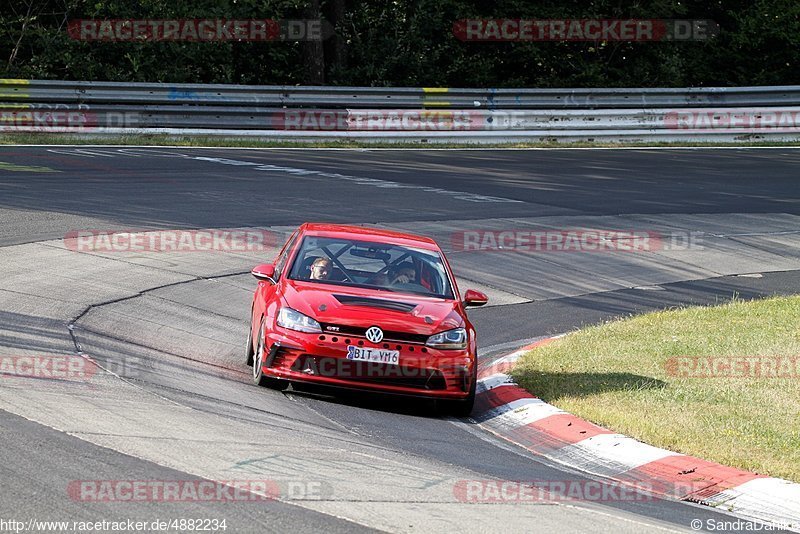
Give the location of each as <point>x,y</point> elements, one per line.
<point>266,291</point>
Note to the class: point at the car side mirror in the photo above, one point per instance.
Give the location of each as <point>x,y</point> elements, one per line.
<point>473,298</point>
<point>264,271</point>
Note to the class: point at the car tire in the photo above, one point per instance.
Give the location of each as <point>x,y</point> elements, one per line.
<point>248,351</point>
<point>258,359</point>
<point>462,408</point>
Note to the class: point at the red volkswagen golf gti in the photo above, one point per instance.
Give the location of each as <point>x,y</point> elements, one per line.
<point>364,308</point>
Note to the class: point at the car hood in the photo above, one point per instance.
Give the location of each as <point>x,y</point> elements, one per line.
<point>357,307</point>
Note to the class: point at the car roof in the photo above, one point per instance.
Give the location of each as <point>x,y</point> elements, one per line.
<point>376,234</point>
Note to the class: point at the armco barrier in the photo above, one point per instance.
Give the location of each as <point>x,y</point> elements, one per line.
<point>401,114</point>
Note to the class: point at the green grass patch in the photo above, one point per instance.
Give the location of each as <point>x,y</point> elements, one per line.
<point>622,375</point>
<point>250,142</point>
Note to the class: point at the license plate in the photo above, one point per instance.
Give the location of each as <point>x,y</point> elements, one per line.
<point>364,354</point>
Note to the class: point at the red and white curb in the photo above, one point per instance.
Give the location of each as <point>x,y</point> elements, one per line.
<point>515,415</point>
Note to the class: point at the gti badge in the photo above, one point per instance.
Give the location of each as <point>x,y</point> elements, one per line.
<point>374,334</point>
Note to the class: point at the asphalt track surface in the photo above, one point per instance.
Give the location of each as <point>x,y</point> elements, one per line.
<point>219,188</point>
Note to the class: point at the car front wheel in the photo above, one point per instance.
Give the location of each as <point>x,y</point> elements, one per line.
<point>258,364</point>
<point>248,349</point>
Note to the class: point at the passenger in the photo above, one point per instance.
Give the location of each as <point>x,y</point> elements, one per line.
<point>402,274</point>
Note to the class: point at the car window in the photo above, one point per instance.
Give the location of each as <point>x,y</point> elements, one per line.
<point>371,264</point>
<point>287,248</point>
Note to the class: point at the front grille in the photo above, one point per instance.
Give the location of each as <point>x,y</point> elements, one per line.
<point>388,336</point>
<point>370,372</point>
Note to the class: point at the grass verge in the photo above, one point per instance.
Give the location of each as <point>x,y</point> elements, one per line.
<point>245,142</point>
<point>647,377</point>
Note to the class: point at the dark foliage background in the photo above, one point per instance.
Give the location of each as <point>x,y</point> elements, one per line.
<point>409,43</point>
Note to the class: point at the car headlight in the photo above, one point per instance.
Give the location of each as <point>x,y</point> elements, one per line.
<point>294,320</point>
<point>451,339</point>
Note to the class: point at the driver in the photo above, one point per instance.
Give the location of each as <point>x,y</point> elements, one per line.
<point>403,274</point>
<point>320,269</point>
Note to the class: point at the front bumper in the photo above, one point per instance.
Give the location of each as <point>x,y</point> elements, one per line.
<point>321,359</point>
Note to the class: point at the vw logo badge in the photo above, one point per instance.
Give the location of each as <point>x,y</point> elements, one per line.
<point>374,334</point>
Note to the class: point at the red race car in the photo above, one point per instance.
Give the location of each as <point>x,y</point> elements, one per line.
<point>364,308</point>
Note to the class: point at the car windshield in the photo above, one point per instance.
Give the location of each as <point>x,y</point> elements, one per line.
<point>351,262</point>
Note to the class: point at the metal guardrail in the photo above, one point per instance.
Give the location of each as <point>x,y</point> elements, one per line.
<point>386,114</point>
<point>51,91</point>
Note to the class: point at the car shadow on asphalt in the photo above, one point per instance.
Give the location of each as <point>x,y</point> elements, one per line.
<point>367,400</point>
